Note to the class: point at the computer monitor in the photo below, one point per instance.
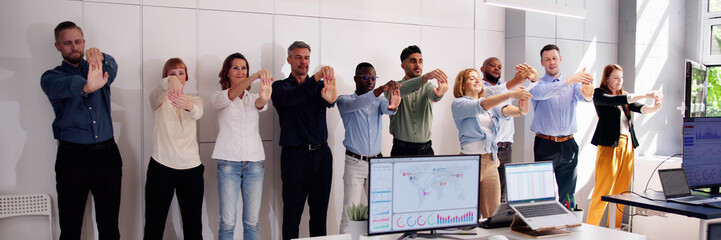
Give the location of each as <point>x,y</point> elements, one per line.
<point>411,194</point>
<point>696,89</point>
<point>702,152</point>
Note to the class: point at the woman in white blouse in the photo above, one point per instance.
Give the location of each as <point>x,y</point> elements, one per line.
<point>175,165</point>
<point>476,118</point>
<point>239,148</point>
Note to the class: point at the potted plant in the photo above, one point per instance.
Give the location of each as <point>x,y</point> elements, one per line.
<point>358,216</point>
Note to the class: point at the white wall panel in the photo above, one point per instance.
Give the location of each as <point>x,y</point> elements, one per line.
<point>121,39</point>
<point>489,17</point>
<point>457,14</point>
<point>541,24</point>
<point>342,49</point>
<point>172,3</point>
<point>571,28</point>
<point>134,2</point>
<point>449,50</point>
<point>298,7</point>
<point>490,44</point>
<point>515,22</point>
<point>400,11</point>
<point>572,53</point>
<point>383,43</point>
<point>27,149</point>
<point>343,9</point>
<point>259,6</point>
<point>250,35</point>
<point>601,22</point>
<point>167,33</point>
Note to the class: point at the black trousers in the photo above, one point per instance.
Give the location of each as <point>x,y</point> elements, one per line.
<point>305,174</point>
<point>504,156</point>
<point>83,168</point>
<point>401,148</point>
<point>188,185</point>
<point>565,159</point>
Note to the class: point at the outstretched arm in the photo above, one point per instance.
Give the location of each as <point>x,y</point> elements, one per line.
<point>491,102</point>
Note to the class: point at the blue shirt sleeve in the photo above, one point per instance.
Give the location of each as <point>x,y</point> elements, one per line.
<point>58,85</point>
<point>347,103</point>
<point>463,108</point>
<point>383,106</point>
<point>110,67</point>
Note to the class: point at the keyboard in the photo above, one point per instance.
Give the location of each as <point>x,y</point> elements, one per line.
<point>538,210</point>
<point>692,198</point>
<point>713,204</point>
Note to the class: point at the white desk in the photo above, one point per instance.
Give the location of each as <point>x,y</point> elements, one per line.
<point>585,232</point>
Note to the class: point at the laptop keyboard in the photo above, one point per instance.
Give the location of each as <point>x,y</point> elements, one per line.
<point>538,210</point>
<point>693,198</point>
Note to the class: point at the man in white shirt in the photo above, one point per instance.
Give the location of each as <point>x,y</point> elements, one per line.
<point>491,70</point>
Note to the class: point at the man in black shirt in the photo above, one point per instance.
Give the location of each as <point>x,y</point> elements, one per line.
<point>306,163</point>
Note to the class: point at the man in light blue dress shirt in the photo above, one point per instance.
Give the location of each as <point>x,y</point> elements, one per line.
<point>554,102</point>
<point>361,113</point>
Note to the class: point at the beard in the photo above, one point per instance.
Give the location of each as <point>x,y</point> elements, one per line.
<point>72,60</point>
<point>490,78</point>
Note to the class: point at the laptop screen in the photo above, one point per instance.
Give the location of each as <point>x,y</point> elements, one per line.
<point>530,182</point>
<point>673,182</point>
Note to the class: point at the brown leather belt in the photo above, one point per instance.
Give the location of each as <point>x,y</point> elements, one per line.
<point>555,139</point>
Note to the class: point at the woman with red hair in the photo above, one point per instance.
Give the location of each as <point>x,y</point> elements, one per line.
<point>615,138</point>
<point>175,166</point>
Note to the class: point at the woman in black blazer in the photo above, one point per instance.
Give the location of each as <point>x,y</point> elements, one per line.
<point>615,138</point>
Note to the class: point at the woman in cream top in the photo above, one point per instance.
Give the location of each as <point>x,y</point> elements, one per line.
<point>175,166</point>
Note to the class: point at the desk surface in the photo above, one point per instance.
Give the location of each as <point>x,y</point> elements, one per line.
<point>585,232</point>
<point>660,204</point>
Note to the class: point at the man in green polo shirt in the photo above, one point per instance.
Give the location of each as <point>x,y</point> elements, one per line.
<point>411,125</point>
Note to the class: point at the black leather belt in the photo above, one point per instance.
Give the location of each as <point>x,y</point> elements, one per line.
<point>361,157</point>
<point>417,146</point>
<point>92,146</point>
<point>311,147</point>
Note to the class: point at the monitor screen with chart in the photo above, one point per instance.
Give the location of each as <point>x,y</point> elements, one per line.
<point>410,194</point>
<point>702,151</point>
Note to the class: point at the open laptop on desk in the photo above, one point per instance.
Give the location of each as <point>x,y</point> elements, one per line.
<point>531,192</point>
<point>676,189</point>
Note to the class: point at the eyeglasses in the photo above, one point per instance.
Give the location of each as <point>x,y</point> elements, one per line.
<point>367,77</point>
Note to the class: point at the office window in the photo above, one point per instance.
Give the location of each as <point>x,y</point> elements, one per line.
<point>714,6</point>
<point>713,103</point>
<point>707,98</point>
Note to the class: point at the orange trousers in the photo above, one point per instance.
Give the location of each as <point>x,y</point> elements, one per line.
<point>614,169</point>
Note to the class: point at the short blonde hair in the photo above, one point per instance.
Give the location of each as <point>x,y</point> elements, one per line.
<point>459,88</point>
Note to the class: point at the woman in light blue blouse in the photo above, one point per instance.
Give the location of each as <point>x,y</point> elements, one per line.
<point>477,120</point>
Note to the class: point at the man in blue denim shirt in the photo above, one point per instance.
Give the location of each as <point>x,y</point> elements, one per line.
<point>88,159</point>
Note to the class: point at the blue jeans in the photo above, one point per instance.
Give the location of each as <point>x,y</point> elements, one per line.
<point>234,177</point>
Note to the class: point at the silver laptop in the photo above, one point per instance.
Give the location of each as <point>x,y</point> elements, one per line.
<point>676,189</point>
<point>531,192</point>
